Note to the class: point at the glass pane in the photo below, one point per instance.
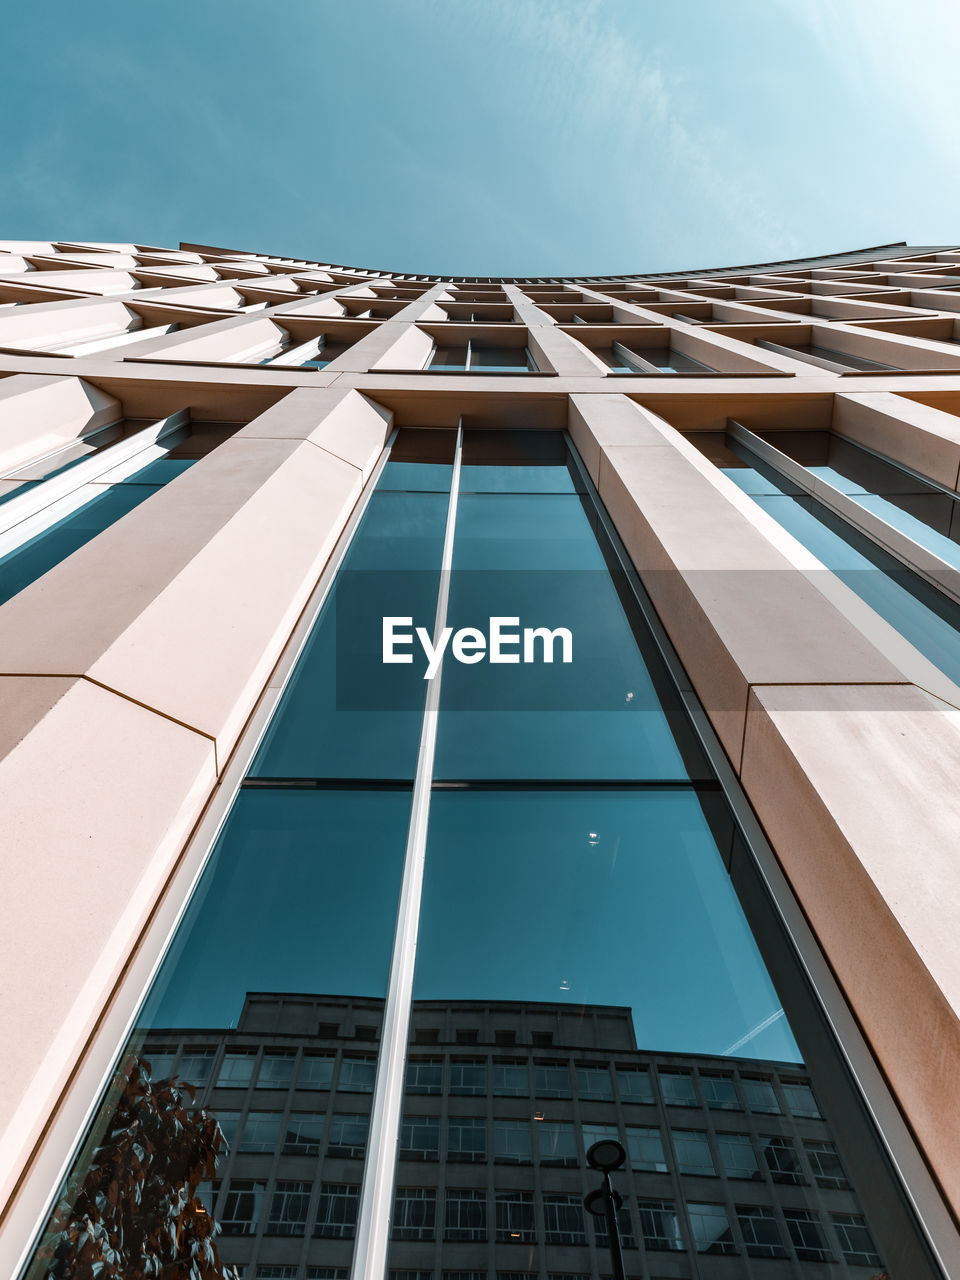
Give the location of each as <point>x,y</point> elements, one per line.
<point>105,506</point>
<point>572,696</point>
<point>639,870</point>
<point>345,714</point>
<point>282,961</point>
<point>928,620</point>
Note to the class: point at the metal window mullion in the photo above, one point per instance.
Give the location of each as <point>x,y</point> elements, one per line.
<point>631,358</point>
<point>466,363</point>
<point>781,350</point>
<point>42,504</point>
<point>376,1194</point>
<point>919,559</point>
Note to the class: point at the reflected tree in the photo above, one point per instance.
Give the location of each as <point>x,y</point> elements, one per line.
<point>137,1215</point>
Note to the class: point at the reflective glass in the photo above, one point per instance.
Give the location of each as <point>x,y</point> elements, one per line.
<point>105,506</point>
<point>928,620</point>
<point>534,559</point>
<point>344,714</point>
<point>285,947</point>
<point>641,870</point>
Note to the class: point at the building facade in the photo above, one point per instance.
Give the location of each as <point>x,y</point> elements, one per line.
<point>563,673</point>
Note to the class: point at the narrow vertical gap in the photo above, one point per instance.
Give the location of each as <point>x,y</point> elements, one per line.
<point>376,1194</point>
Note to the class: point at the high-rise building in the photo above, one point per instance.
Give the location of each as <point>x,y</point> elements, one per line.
<point>449,722</point>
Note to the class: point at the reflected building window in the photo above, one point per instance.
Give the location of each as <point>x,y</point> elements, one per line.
<point>276,1070</point>
<point>645,1149</point>
<point>468,1078</point>
<point>711,1229</point>
<point>551,1080</point>
<point>634,1085</point>
<point>514,1217</point>
<point>337,1211</point>
<point>510,1080</point>
<point>236,1070</point>
<point>825,1163</point>
<point>806,1235</point>
<point>693,1153</point>
<point>466,1138</point>
<point>782,1160</point>
<point>738,1157</point>
<point>304,1135</point>
<point>678,1089</point>
<point>659,1225</point>
<point>557,1144</point>
<point>357,1075</point>
<point>348,1135</point>
<point>720,1093</point>
<point>465,1215</point>
<point>288,1210</point>
<point>563,1220</point>
<point>801,1101</point>
<point>242,1207</point>
<point>261,1131</point>
<point>760,1231</point>
<point>420,1137</point>
<point>316,1072</point>
<point>511,1141</point>
<point>760,1096</point>
<point>856,1243</point>
<point>425,1076</point>
<point>594,1082</point>
<point>414,1213</point>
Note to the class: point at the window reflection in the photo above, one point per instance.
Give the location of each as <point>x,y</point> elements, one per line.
<point>584,970</point>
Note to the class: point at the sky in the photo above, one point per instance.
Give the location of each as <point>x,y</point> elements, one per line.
<point>501,137</point>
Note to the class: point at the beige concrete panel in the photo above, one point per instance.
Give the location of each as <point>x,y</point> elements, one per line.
<point>218,297</point>
<point>25,246</point>
<point>738,612</point>
<point>98,796</point>
<point>556,352</point>
<point>49,323</point>
<point>885,348</point>
<point>81,281</point>
<point>341,421</point>
<point>597,421</point>
<point>39,413</point>
<point>404,346</point>
<point>856,788</point>
<point>54,261</point>
<point>926,439</point>
<point>324,307</point>
<point>722,352</point>
<point>202,650</point>
<point>424,307</point>
<point>235,339</point>
<point>197,589</point>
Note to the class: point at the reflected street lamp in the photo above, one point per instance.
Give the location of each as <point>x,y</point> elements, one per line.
<point>603,1202</point>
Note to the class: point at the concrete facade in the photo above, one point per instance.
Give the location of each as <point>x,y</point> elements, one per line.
<point>131,670</point>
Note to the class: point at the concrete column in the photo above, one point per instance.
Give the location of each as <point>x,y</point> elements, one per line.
<point>129,671</point>
<point>850,767</point>
<point>39,413</point>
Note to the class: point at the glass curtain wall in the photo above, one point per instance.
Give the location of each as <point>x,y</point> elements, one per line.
<point>103,503</point>
<point>910,603</point>
<point>595,955</point>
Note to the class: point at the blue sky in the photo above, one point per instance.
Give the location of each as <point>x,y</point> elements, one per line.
<point>489,137</point>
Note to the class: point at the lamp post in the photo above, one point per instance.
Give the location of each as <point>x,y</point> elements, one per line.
<point>605,1156</point>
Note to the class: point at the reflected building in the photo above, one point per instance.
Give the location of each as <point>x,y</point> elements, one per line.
<point>732,1170</point>
<point>565,669</point>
